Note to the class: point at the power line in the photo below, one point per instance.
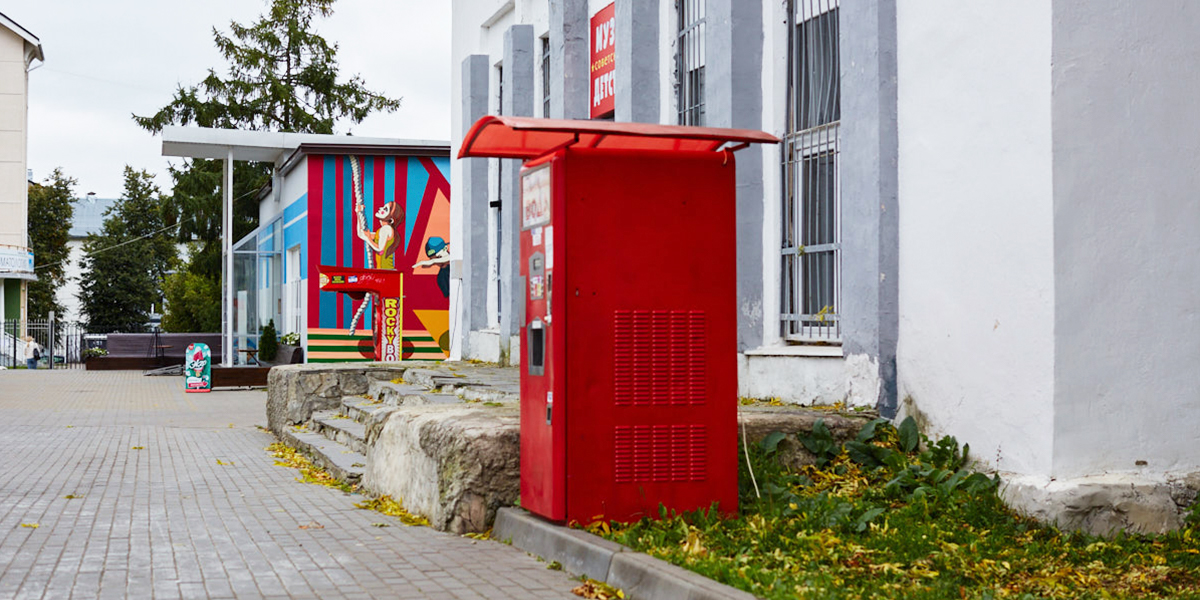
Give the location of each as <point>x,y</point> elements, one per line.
<point>114,246</point>
<point>64,262</point>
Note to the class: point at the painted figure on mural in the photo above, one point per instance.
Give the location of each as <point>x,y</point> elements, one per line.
<point>395,211</point>
<point>438,252</point>
<point>383,240</point>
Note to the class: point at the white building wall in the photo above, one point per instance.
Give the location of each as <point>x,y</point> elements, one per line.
<point>14,192</point>
<point>976,341</point>
<point>67,294</point>
<point>1127,238</point>
<point>791,373</point>
<point>291,186</point>
<point>477,27</point>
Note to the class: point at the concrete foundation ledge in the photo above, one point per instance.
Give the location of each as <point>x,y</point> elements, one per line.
<point>1105,504</point>
<point>639,575</point>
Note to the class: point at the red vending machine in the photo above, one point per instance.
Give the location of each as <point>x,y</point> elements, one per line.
<point>629,344</point>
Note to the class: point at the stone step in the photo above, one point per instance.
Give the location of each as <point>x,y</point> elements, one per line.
<point>341,462</point>
<point>436,379</point>
<point>431,398</point>
<point>407,394</point>
<point>480,393</point>
<point>341,429</point>
<point>360,409</point>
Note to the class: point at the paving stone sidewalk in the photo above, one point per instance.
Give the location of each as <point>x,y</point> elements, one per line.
<point>174,497</point>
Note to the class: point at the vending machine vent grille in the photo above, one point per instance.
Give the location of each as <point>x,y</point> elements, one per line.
<point>658,357</point>
<point>659,453</point>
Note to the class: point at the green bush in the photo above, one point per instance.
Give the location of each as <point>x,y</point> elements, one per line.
<point>894,514</point>
<point>268,343</point>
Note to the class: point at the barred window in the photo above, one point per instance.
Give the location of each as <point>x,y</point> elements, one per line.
<point>495,221</point>
<point>689,62</point>
<point>811,249</point>
<point>546,77</point>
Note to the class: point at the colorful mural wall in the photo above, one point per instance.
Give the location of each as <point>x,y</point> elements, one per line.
<point>379,212</point>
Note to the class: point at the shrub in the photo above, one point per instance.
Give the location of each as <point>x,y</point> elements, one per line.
<point>268,343</point>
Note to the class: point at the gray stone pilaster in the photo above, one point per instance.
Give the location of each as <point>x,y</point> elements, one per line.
<point>569,59</point>
<point>474,198</point>
<point>733,98</point>
<point>517,100</point>
<point>637,61</point>
<point>870,227</point>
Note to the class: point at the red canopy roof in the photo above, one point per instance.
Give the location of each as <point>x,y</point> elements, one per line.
<point>527,137</point>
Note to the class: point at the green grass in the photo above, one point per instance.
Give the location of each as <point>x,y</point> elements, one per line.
<point>876,518</point>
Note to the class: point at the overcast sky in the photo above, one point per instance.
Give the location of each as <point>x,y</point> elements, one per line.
<point>106,60</point>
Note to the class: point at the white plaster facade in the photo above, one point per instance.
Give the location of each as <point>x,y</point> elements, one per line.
<point>1038,234</point>
<point>1047,181</point>
<point>18,50</point>
<point>768,367</point>
<point>976,343</point>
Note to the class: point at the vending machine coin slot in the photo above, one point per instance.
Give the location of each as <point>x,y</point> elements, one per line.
<point>537,347</point>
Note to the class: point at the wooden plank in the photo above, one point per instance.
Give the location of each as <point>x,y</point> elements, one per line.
<point>128,363</point>
<point>239,376</point>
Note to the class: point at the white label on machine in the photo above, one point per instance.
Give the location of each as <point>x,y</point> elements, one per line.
<point>536,234</point>
<point>535,197</point>
<point>549,247</point>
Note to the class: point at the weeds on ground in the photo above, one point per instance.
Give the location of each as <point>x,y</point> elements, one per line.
<point>286,456</point>
<point>893,514</point>
<point>745,401</point>
<point>596,590</point>
<point>392,508</point>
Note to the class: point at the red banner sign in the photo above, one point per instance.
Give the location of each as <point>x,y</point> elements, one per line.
<point>604,74</point>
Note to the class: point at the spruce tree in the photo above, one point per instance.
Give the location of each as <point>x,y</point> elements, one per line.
<point>126,263</point>
<point>280,76</point>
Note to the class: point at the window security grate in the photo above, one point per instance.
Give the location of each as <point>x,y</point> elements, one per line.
<point>689,62</point>
<point>811,236</point>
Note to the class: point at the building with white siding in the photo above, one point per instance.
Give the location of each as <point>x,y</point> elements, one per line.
<point>18,50</point>
<point>983,216</point>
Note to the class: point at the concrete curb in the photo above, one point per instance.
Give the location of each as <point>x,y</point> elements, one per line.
<point>639,575</point>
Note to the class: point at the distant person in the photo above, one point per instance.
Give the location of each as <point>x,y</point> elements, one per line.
<point>33,353</point>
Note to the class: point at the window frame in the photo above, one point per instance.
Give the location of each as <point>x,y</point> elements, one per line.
<point>545,75</point>
<point>690,43</point>
<point>800,244</point>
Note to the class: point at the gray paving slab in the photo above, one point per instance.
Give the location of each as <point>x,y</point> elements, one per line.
<point>172,495</point>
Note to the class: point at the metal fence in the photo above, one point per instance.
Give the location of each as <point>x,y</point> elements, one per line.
<point>61,344</point>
